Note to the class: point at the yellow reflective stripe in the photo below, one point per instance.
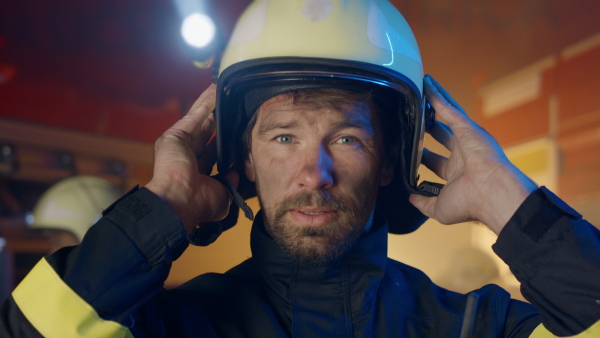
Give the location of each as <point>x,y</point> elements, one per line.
<point>57,311</point>
<point>592,332</point>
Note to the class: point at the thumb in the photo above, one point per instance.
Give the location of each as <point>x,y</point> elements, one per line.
<point>424,204</point>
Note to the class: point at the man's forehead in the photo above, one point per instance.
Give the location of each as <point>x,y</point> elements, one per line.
<point>318,99</point>
<point>289,101</point>
<point>280,112</point>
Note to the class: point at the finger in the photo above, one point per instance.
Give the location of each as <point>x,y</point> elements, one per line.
<point>208,158</point>
<point>206,132</point>
<point>191,123</point>
<point>210,91</point>
<point>198,124</point>
<point>442,133</point>
<point>443,103</point>
<point>435,162</point>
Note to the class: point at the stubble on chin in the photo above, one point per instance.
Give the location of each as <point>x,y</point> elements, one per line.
<point>317,245</point>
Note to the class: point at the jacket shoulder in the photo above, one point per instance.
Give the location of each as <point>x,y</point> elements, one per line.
<point>432,305</point>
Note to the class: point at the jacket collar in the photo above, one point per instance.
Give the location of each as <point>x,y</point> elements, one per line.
<point>325,296</point>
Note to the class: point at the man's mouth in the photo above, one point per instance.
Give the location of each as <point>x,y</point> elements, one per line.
<point>313,217</point>
<point>313,213</point>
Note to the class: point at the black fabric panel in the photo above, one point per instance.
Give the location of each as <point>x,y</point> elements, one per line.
<point>543,209</point>
<point>134,207</point>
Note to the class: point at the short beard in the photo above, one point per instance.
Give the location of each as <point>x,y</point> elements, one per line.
<point>325,244</point>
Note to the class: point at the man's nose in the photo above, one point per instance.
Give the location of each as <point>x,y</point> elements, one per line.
<point>316,170</point>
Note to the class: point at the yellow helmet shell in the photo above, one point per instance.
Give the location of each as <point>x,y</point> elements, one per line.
<point>370,31</point>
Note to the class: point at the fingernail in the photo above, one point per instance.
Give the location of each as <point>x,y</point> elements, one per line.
<point>431,87</point>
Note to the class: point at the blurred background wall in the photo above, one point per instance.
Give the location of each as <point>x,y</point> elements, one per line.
<point>87,86</point>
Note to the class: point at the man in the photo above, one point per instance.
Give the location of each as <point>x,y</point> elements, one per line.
<point>332,146</point>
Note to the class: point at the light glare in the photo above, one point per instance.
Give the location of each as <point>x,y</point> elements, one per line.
<point>29,219</point>
<point>198,30</point>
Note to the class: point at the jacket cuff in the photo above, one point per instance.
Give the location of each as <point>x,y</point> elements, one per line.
<point>533,233</point>
<point>154,227</point>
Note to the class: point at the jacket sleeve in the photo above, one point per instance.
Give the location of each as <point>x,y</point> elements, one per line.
<point>555,254</point>
<point>93,289</point>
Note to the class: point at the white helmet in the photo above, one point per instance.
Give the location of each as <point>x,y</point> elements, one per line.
<point>74,204</point>
<point>280,46</point>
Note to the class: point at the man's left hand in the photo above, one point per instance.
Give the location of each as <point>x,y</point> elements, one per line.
<point>482,184</point>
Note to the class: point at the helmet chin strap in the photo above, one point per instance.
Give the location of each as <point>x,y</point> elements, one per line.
<point>237,198</point>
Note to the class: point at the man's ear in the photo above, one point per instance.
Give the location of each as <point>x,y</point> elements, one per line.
<point>249,167</point>
<point>387,174</point>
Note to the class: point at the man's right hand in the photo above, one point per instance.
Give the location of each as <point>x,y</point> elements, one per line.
<point>183,158</point>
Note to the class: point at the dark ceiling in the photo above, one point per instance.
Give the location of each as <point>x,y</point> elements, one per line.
<point>127,49</point>
<point>99,66</point>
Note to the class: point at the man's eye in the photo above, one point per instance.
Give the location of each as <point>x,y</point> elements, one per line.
<point>346,139</point>
<point>284,139</point>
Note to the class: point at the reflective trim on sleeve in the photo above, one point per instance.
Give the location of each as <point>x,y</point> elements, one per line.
<point>592,332</point>
<point>57,311</point>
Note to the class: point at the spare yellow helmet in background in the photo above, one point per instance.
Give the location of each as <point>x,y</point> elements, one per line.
<point>74,204</point>
<point>280,46</point>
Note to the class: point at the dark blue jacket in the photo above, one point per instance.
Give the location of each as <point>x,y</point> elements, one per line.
<point>119,269</point>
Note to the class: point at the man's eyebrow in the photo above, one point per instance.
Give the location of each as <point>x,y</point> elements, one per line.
<point>264,128</point>
<point>363,123</point>
<point>360,122</point>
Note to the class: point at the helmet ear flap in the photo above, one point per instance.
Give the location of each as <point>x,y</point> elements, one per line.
<point>392,202</point>
<point>392,199</point>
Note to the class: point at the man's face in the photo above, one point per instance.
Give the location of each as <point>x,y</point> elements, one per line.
<point>317,169</point>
